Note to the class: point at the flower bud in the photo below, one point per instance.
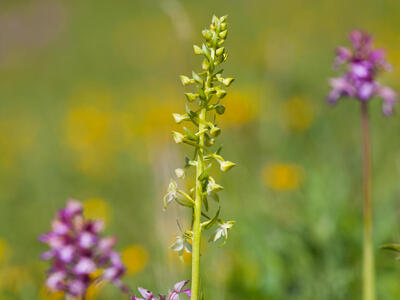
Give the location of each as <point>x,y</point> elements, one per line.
<point>223,26</point>
<point>205,65</point>
<point>210,142</point>
<point>197,49</point>
<point>212,186</point>
<point>223,34</point>
<point>227,81</point>
<point>221,93</point>
<point>215,20</point>
<point>191,97</point>
<point>215,131</point>
<point>180,173</point>
<point>196,77</point>
<point>226,165</point>
<point>186,80</point>
<point>179,118</point>
<point>220,51</point>
<point>178,137</point>
<point>207,34</point>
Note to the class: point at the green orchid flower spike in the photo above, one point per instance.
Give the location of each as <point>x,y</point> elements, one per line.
<point>200,130</point>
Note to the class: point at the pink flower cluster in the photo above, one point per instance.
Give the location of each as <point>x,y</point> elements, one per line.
<point>77,251</point>
<point>362,64</point>
<point>172,295</point>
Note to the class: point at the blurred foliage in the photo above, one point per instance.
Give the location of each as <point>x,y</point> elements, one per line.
<point>86,88</point>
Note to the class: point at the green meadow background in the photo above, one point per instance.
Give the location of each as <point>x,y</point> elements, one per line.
<point>87,89</point>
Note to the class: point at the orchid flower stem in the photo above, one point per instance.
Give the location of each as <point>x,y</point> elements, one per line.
<point>368,255</point>
<point>197,213</point>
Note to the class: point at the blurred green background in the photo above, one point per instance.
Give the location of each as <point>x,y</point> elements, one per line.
<point>87,89</point>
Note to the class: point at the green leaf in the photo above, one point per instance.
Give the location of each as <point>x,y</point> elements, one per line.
<point>184,202</point>
<point>393,247</point>
<point>201,93</point>
<point>210,223</point>
<point>190,134</point>
<point>219,150</point>
<point>190,113</point>
<point>206,51</point>
<point>204,175</point>
<point>205,200</point>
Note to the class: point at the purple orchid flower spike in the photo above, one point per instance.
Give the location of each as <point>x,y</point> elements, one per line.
<point>172,295</point>
<point>362,64</point>
<point>78,251</point>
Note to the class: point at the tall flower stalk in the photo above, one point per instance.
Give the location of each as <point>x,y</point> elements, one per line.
<point>204,104</point>
<point>361,66</point>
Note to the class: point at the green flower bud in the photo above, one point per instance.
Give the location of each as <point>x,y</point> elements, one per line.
<point>205,65</point>
<point>186,80</point>
<point>209,142</point>
<point>178,137</point>
<point>223,34</point>
<point>223,25</point>
<point>215,131</point>
<point>191,97</point>
<point>215,20</point>
<point>221,93</point>
<point>227,81</point>
<point>212,186</point>
<point>220,51</point>
<point>226,165</point>
<point>197,49</point>
<point>207,34</point>
<point>223,18</point>
<point>179,118</point>
<point>197,78</point>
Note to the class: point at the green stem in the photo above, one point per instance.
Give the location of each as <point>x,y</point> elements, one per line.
<point>197,213</point>
<point>368,255</point>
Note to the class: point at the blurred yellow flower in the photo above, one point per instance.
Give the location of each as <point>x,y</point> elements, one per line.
<point>155,122</point>
<point>297,114</point>
<point>5,251</point>
<point>89,131</point>
<point>97,208</point>
<point>241,108</point>
<point>135,258</point>
<point>47,294</point>
<point>94,290</point>
<point>175,260</point>
<point>282,176</point>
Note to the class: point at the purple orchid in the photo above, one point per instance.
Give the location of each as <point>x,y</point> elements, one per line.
<point>77,251</point>
<point>172,295</point>
<point>362,64</point>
